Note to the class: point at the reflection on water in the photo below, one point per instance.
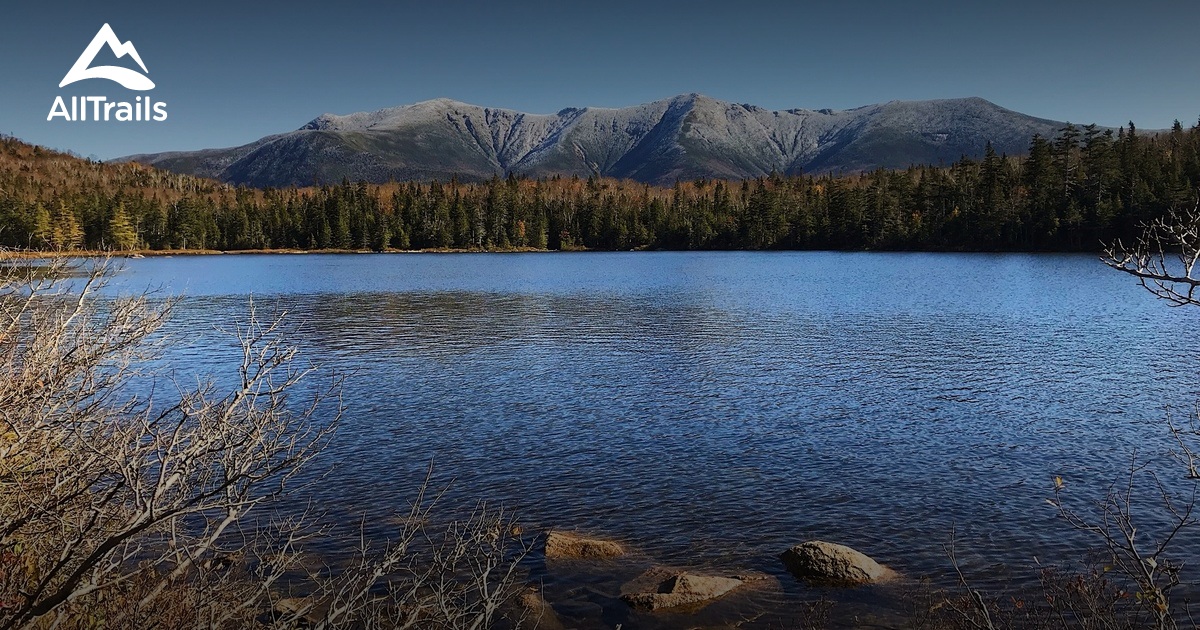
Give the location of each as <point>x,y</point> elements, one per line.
<point>713,409</point>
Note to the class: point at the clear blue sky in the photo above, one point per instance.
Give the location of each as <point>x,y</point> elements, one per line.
<point>232,72</point>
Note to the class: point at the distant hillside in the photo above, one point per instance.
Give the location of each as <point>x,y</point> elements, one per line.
<point>1071,192</point>
<point>682,138</point>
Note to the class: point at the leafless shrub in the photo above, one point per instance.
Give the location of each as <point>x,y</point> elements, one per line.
<point>815,616</point>
<point>1089,599</point>
<point>1164,258</point>
<point>1079,599</point>
<point>123,511</point>
<point>1140,520</point>
<point>464,575</point>
<point>1137,524</point>
<point>1136,553</point>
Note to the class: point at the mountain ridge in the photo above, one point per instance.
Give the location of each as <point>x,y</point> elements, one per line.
<point>683,137</point>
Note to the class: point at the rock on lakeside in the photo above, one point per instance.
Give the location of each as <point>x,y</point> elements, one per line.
<point>830,563</point>
<point>538,612</point>
<point>562,545</point>
<point>659,588</point>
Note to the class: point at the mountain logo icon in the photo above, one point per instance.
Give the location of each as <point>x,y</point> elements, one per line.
<point>131,79</point>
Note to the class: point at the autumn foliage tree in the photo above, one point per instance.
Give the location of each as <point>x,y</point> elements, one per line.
<point>1071,192</point>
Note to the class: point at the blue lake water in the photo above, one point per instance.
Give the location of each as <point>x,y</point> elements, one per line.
<point>712,409</point>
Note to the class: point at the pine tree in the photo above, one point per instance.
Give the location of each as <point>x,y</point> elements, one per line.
<point>120,233</point>
<point>66,234</point>
<point>40,234</point>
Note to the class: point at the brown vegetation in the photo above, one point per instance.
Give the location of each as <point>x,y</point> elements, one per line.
<point>127,511</point>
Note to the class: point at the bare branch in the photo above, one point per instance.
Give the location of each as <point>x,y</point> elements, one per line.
<point>1164,258</point>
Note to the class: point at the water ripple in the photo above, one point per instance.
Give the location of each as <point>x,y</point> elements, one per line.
<point>716,408</point>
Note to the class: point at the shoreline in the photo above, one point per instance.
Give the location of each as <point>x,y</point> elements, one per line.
<point>167,253</point>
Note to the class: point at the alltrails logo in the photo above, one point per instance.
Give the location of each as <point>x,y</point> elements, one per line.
<point>142,108</point>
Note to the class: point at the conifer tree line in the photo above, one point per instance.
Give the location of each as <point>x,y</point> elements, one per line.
<point>1069,193</point>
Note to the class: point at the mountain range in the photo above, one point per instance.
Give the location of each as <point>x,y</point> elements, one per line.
<point>681,138</point>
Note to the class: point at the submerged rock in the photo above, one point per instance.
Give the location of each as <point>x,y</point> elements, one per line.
<point>571,546</point>
<point>658,589</point>
<point>297,611</point>
<point>537,612</point>
<point>830,563</point>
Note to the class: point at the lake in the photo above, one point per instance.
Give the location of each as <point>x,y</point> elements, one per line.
<point>713,409</point>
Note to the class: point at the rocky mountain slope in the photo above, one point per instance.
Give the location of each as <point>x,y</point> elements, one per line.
<point>685,137</point>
